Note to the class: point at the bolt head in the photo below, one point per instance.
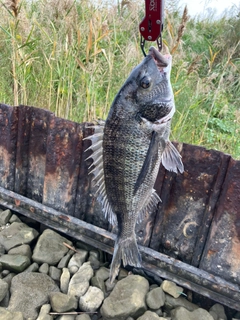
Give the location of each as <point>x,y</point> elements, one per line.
<point>149,38</point>
<point>158,21</point>
<point>142,28</point>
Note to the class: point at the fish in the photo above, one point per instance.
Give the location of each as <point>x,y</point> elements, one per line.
<point>128,148</point>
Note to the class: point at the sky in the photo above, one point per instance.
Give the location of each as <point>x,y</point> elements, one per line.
<point>204,7</point>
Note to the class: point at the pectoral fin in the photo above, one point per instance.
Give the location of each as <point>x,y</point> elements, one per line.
<point>151,158</point>
<point>171,159</point>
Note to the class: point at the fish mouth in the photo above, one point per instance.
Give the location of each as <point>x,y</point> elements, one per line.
<point>160,59</point>
<point>163,63</point>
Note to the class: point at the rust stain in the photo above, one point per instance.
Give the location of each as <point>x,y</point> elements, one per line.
<point>66,218</point>
<point>32,209</point>
<point>17,202</point>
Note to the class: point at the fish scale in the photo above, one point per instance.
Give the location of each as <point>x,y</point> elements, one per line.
<point>128,149</point>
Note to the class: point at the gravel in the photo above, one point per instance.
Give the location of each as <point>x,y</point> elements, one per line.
<point>42,278</point>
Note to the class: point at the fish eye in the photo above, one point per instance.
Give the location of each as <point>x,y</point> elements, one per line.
<point>145,82</point>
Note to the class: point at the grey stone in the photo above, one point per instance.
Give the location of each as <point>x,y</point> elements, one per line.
<point>172,303</point>
<point>95,263</point>
<point>2,250</point>
<point>79,282</point>
<point>44,268</point>
<point>8,278</point>
<point>83,317</point>
<point>15,263</point>
<point>23,250</point>
<point>171,288</point>
<point>110,286</point>
<point>14,218</point>
<point>91,300</point>
<point>78,259</point>
<point>66,317</point>
<point>8,315</point>
<point>3,289</point>
<point>5,302</point>
<point>219,310</point>
<point>126,299</point>
<point>122,274</point>
<point>64,261</point>
<point>61,302</point>
<point>29,291</point>
<point>213,314</point>
<point>44,313</point>
<point>50,248</point>
<point>180,313</point>
<point>73,269</point>
<point>4,217</point>
<point>149,315</point>
<point>54,273</point>
<point>102,273</point>
<point>155,298</point>
<point>17,234</point>
<point>32,268</point>
<point>64,280</point>
<point>98,282</point>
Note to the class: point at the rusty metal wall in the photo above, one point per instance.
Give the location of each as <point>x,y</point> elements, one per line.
<point>198,221</point>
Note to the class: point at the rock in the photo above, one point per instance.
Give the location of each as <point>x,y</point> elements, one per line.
<point>155,298</point>
<point>83,317</point>
<point>91,300</point>
<point>54,273</point>
<point>4,217</point>
<point>17,234</point>
<point>32,268</point>
<point>8,278</point>
<point>64,261</point>
<point>29,291</point>
<point>44,268</point>
<point>14,218</point>
<point>64,280</point>
<point>109,286</point>
<point>79,283</point>
<point>213,314</point>
<point>66,317</point>
<point>102,273</point>
<point>50,248</point>
<point>149,315</point>
<point>181,313</point>
<point>99,283</point>
<point>122,274</point>
<point>2,250</point>
<point>219,310</point>
<point>171,288</point>
<point>61,302</point>
<point>95,263</point>
<point>3,289</point>
<point>23,250</point>
<point>126,299</point>
<point>5,301</point>
<point>15,263</point>
<point>78,259</point>
<point>73,269</point>
<point>172,303</point>
<point>8,315</point>
<point>44,313</point>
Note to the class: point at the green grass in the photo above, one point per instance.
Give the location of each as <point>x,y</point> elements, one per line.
<point>72,57</point>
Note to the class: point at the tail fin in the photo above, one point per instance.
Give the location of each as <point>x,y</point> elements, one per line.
<point>127,250</point>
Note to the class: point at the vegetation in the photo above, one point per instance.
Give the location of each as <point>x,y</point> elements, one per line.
<point>72,56</point>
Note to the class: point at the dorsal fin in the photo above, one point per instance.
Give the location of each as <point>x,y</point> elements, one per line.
<point>97,169</point>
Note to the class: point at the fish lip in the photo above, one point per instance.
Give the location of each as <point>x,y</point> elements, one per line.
<point>160,60</point>
<point>167,118</point>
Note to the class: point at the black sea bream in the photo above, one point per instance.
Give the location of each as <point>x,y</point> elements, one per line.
<point>128,149</point>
